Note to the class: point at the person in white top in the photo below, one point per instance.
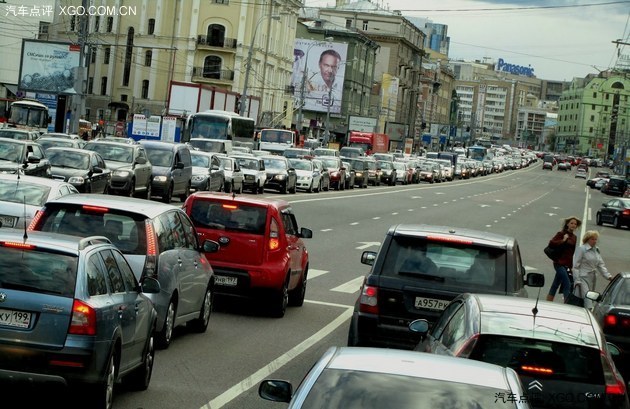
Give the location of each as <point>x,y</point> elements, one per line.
<point>586,263</point>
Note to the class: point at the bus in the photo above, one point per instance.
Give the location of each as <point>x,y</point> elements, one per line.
<point>29,114</point>
<point>479,153</point>
<point>218,124</point>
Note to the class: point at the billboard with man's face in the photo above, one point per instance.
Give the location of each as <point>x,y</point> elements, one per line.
<point>318,73</point>
<point>48,67</point>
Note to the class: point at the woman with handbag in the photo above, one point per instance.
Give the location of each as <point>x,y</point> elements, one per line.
<point>564,241</point>
<point>586,263</point>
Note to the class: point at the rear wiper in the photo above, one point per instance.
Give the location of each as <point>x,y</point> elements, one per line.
<point>422,276</point>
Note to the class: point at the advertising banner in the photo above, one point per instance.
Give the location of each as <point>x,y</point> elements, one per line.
<point>48,67</point>
<point>318,74</point>
<point>361,124</point>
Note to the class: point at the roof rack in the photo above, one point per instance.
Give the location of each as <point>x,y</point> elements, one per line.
<point>88,241</point>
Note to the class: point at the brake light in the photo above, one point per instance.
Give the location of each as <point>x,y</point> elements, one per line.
<point>448,239</point>
<point>18,245</point>
<point>83,321</point>
<point>610,320</point>
<point>626,212</point>
<point>229,207</point>
<point>274,235</point>
<point>537,369</point>
<point>35,221</point>
<point>368,300</point>
<point>95,209</point>
<point>150,264</point>
<point>614,384</point>
<point>467,348</point>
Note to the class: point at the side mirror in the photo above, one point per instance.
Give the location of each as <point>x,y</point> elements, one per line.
<point>141,161</point>
<point>604,204</point>
<point>593,295</point>
<point>96,169</point>
<point>613,349</point>
<point>306,233</point>
<point>210,246</point>
<point>420,326</point>
<point>179,165</point>
<point>150,285</point>
<point>535,280</point>
<point>33,159</point>
<point>275,390</point>
<point>368,258</point>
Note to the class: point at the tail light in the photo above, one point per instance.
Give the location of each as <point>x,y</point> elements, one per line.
<point>610,320</point>
<point>467,348</point>
<point>83,321</point>
<point>538,370</point>
<point>35,221</point>
<point>368,300</point>
<point>626,212</point>
<point>614,383</point>
<point>274,235</point>
<point>150,263</point>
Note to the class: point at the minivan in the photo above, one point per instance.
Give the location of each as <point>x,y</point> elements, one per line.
<point>172,169</point>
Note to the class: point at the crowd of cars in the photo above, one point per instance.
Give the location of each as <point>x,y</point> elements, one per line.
<point>106,277</point>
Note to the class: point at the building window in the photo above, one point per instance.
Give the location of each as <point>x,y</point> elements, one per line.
<point>365,24</point>
<point>92,55</point>
<point>43,28</point>
<point>145,89</point>
<point>221,1</point>
<point>212,67</point>
<point>348,23</point>
<point>147,58</point>
<point>592,118</point>
<point>97,23</point>
<point>90,85</point>
<point>594,94</point>
<point>103,85</point>
<point>100,113</point>
<point>216,35</point>
<point>107,52</point>
<point>73,23</point>
<point>128,55</point>
<point>151,27</point>
<point>590,130</point>
<point>110,24</point>
<point>87,113</point>
<point>123,97</point>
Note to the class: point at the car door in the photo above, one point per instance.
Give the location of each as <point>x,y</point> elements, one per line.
<point>432,342</point>
<point>100,181</point>
<point>608,212</point>
<point>195,269</point>
<point>178,174</point>
<point>216,174</point>
<point>237,176</point>
<point>142,170</point>
<point>295,246</point>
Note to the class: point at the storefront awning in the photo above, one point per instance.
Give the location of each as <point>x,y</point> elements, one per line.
<point>12,88</point>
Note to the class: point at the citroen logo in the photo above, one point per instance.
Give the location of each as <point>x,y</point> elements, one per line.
<point>3,297</point>
<point>224,240</point>
<point>535,385</point>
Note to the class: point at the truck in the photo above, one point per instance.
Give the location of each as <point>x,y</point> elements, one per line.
<point>276,141</point>
<point>370,142</point>
<point>185,98</point>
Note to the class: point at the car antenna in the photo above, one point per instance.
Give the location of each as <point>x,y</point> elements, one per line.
<point>535,309</point>
<point>25,237</point>
<point>233,195</point>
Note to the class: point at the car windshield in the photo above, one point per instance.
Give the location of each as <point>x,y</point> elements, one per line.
<point>386,165</point>
<point>160,157</point>
<point>13,135</point>
<point>331,163</point>
<point>275,163</point>
<point>248,163</point>
<point>68,159</point>
<point>112,152</point>
<point>346,389</point>
<point>48,143</point>
<point>301,164</point>
<point>36,270</point>
<point>23,192</point>
<point>447,263</point>
<point>201,161</point>
<point>210,214</point>
<point>11,152</point>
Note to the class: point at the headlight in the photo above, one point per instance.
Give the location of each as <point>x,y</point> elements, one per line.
<point>76,180</point>
<point>122,173</point>
<point>305,178</point>
<point>160,179</point>
<point>359,174</point>
<point>280,177</point>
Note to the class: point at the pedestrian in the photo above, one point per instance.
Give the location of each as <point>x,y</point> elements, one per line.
<point>587,261</point>
<point>564,240</point>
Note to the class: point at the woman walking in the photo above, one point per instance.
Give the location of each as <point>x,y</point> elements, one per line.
<point>586,263</point>
<point>564,240</point>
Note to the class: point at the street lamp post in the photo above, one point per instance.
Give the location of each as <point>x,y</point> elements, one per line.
<point>245,96</point>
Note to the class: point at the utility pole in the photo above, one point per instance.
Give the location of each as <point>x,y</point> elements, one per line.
<point>78,100</point>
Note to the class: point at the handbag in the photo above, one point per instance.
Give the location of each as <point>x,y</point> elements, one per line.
<point>575,299</point>
<point>552,252</point>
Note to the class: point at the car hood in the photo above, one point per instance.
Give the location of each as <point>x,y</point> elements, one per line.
<point>249,171</point>
<point>276,171</point>
<point>113,165</point>
<point>161,171</point>
<point>301,172</point>
<point>200,171</point>
<point>68,172</point>
<point>8,165</point>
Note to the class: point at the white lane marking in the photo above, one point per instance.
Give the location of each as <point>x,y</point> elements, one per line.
<point>488,225</point>
<point>484,205</point>
<point>325,229</point>
<point>376,218</point>
<point>354,223</point>
<point>394,214</point>
<point>312,273</point>
<point>410,210</point>
<point>416,197</point>
<point>551,214</point>
<point>367,244</point>
<point>350,287</point>
<point>255,378</point>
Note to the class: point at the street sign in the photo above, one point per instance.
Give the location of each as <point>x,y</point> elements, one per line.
<point>120,127</point>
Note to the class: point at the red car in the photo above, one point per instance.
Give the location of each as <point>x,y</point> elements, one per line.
<point>261,249</point>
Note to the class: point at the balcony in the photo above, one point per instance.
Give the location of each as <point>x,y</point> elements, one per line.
<point>212,76</point>
<point>211,43</point>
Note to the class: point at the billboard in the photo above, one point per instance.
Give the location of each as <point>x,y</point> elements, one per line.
<point>48,67</point>
<point>318,74</point>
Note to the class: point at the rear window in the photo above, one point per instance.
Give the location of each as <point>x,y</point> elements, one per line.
<point>541,358</point>
<point>208,214</point>
<point>126,230</point>
<point>446,263</point>
<point>39,271</point>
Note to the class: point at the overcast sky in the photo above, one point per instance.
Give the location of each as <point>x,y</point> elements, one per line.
<point>558,42</point>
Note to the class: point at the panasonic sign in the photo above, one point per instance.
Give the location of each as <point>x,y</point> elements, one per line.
<point>515,69</point>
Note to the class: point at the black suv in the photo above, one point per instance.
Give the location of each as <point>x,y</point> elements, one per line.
<point>26,156</point>
<point>419,269</point>
<point>616,186</point>
<point>171,169</point>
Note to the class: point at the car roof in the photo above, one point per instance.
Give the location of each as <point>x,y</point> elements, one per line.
<point>513,316</point>
<point>163,145</point>
<point>53,241</point>
<point>418,364</point>
<point>66,149</point>
<point>451,234</point>
<point>32,179</point>
<point>259,201</point>
<point>145,207</point>
<point>109,142</point>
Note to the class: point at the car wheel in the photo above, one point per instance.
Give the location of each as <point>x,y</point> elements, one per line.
<point>186,193</point>
<point>102,394</point>
<point>164,337</point>
<point>284,189</point>
<point>296,296</point>
<point>140,378</point>
<point>280,300</point>
<point>169,195</point>
<point>310,188</point>
<point>132,188</point>
<point>598,219</point>
<point>207,187</point>
<point>294,189</point>
<point>617,222</point>
<point>227,188</point>
<point>201,324</point>
<point>148,191</point>
<point>261,189</point>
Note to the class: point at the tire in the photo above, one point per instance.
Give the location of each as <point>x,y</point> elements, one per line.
<point>598,219</point>
<point>284,189</point>
<point>296,296</point>
<point>310,188</point>
<point>617,222</point>
<point>147,194</point>
<point>169,195</point>
<point>227,187</point>
<point>280,300</point>
<point>132,188</point>
<point>200,325</point>
<point>165,336</point>
<point>186,193</point>
<point>140,378</point>
<point>101,395</point>
<point>261,189</point>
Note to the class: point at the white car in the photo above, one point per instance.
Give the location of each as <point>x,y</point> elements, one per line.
<point>581,173</point>
<point>234,177</point>
<point>254,172</point>
<point>308,177</point>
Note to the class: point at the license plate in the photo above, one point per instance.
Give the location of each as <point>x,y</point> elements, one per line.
<point>430,303</point>
<point>227,281</point>
<point>7,221</point>
<point>17,319</point>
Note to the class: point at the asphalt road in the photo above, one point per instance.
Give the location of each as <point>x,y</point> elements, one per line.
<point>223,367</point>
